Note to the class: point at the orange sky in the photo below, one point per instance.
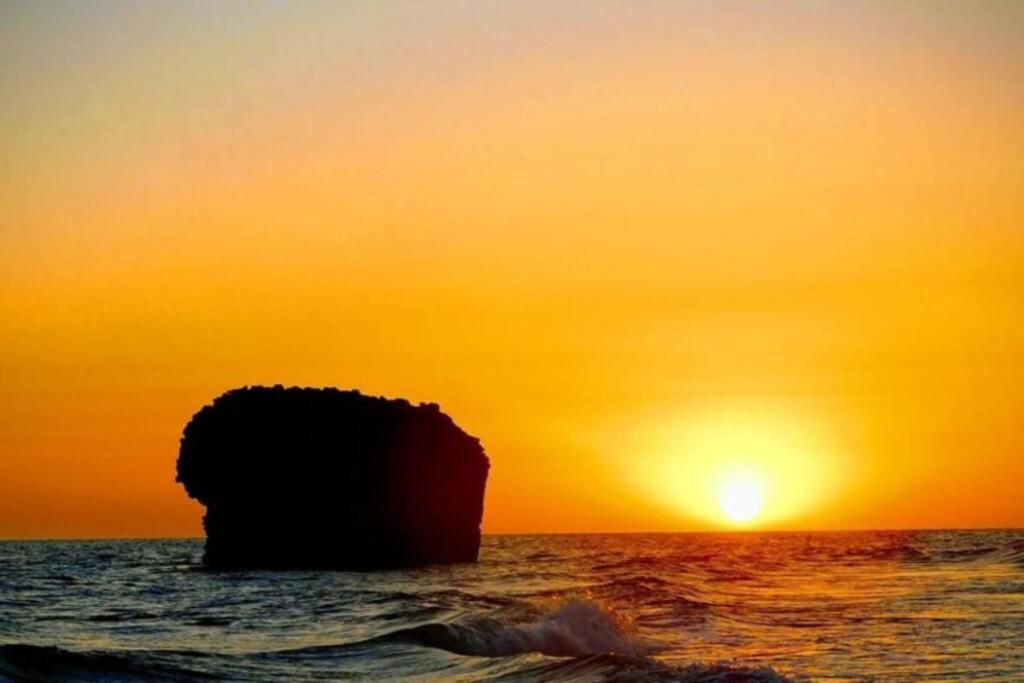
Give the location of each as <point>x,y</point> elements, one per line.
<point>622,243</point>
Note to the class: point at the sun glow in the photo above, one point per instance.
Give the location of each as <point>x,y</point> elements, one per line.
<point>739,465</point>
<point>740,499</point>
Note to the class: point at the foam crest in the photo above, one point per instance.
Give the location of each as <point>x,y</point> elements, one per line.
<point>575,627</point>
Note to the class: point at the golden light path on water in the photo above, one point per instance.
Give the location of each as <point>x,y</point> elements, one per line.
<point>740,467</point>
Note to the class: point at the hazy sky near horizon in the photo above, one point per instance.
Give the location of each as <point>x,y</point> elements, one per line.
<point>621,242</point>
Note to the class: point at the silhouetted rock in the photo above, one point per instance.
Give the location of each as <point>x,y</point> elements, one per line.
<point>306,478</point>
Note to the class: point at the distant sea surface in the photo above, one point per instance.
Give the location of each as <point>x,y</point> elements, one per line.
<point>939,605</point>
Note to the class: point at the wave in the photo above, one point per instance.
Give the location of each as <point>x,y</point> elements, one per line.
<point>31,663</point>
<point>642,670</point>
<point>124,616</point>
<point>641,562</point>
<point>660,604</point>
<point>903,547</point>
<point>1011,552</point>
<point>590,641</point>
<point>451,596</point>
<point>1006,552</point>
<point>48,663</point>
<point>575,627</point>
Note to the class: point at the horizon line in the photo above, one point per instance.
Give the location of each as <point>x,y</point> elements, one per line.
<point>15,539</point>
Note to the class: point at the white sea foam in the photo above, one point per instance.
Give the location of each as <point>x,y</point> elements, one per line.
<point>574,627</point>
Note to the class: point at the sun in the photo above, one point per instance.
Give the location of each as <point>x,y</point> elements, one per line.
<point>740,499</point>
<point>737,464</point>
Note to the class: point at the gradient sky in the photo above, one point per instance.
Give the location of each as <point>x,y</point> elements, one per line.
<point>618,241</point>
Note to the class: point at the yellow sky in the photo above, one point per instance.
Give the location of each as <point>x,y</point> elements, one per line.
<point>626,244</point>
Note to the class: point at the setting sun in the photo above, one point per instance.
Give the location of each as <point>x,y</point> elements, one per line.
<point>740,499</point>
<point>740,463</point>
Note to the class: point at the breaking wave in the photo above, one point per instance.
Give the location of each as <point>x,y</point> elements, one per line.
<point>574,628</point>
<point>31,663</point>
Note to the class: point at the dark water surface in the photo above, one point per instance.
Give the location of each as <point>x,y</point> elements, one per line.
<point>690,607</point>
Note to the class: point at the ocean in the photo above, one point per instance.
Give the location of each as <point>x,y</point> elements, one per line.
<point>893,606</point>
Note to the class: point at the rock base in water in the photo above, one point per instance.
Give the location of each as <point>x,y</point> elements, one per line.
<point>324,478</point>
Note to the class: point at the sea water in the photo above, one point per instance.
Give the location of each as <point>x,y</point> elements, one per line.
<point>925,605</point>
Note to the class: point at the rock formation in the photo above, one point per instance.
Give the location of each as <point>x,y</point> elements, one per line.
<point>324,478</point>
